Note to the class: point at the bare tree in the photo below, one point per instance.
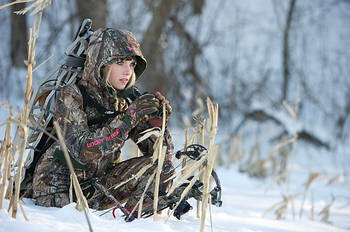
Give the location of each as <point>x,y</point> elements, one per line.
<point>96,10</point>
<point>152,46</point>
<point>18,36</point>
<point>286,53</point>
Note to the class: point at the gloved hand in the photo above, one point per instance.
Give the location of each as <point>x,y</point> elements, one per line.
<point>162,100</point>
<point>142,107</point>
<point>155,120</point>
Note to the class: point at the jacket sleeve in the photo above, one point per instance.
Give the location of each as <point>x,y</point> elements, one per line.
<point>84,144</point>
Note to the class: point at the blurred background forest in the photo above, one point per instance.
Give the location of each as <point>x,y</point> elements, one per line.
<point>278,69</point>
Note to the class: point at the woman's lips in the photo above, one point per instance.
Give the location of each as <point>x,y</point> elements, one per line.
<point>124,80</point>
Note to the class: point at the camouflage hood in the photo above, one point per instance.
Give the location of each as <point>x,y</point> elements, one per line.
<point>105,46</point>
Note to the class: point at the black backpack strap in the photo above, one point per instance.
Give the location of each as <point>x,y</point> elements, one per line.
<point>88,100</point>
<point>84,94</point>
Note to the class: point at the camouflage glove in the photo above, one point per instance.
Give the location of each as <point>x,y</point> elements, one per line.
<point>142,107</point>
<point>162,100</point>
<point>156,119</point>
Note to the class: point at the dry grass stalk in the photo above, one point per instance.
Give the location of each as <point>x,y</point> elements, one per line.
<point>236,152</point>
<point>211,215</point>
<point>200,140</point>
<point>136,176</point>
<point>244,167</point>
<point>186,190</point>
<point>213,111</point>
<point>24,129</point>
<point>138,152</point>
<point>42,63</point>
<point>290,110</point>
<point>13,3</point>
<point>140,202</point>
<point>148,133</point>
<point>22,209</point>
<point>312,177</point>
<point>184,158</point>
<point>188,171</point>
<point>281,206</point>
<point>156,185</point>
<point>283,157</point>
<point>9,190</point>
<point>82,203</point>
<point>160,157</point>
<point>2,158</point>
<point>40,4</point>
<point>5,154</point>
<point>11,201</point>
<point>201,107</point>
<point>326,211</point>
<point>71,189</point>
<point>312,211</point>
<point>334,180</point>
<point>282,144</point>
<point>2,155</point>
<point>37,6</point>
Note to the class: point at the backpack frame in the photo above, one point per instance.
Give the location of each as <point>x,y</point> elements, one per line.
<point>42,99</point>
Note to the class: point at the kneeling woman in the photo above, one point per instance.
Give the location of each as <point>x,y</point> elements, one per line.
<point>113,63</point>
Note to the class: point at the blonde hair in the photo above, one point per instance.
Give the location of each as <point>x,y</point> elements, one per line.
<point>106,71</point>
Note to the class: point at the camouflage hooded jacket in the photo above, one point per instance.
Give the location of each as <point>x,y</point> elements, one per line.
<point>97,146</point>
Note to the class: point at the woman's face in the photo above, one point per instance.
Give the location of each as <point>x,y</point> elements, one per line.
<point>121,72</point>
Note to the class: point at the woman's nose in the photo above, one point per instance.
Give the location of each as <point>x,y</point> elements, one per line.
<point>126,69</point>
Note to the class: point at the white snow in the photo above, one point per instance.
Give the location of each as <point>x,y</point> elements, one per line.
<point>244,202</point>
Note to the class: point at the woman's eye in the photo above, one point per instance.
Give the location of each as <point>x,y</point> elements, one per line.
<point>120,62</point>
<point>133,64</point>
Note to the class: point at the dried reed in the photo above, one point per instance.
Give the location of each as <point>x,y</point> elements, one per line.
<point>281,206</point>
<point>213,111</point>
<point>186,190</point>
<point>188,171</point>
<point>184,158</point>
<point>82,203</point>
<point>13,3</point>
<point>143,195</point>
<point>160,157</point>
<point>200,140</point>
<point>312,177</point>
<point>326,211</point>
<point>38,7</point>
<point>5,155</point>
<point>312,211</point>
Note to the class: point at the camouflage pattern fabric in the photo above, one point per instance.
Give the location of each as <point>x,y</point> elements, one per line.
<point>95,147</point>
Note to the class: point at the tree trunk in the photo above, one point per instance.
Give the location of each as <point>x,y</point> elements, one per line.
<point>286,54</point>
<point>152,47</point>
<point>18,36</point>
<point>96,10</point>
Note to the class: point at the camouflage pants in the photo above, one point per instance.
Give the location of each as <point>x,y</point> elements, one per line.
<point>52,180</point>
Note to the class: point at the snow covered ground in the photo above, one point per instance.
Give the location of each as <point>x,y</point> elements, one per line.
<point>244,202</point>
